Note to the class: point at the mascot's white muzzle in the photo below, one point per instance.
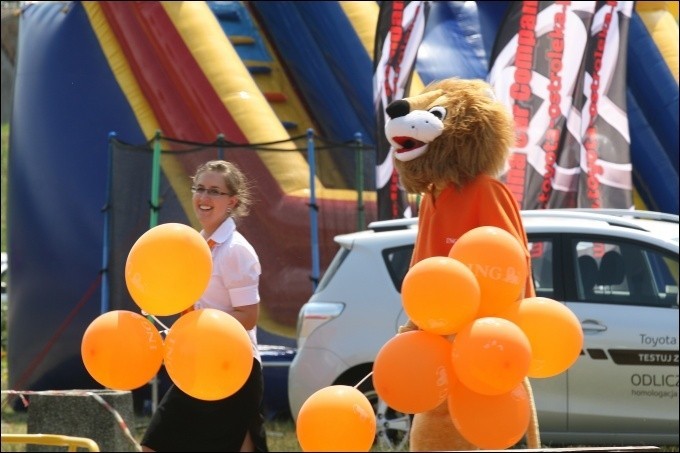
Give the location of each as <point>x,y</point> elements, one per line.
<point>409,135</point>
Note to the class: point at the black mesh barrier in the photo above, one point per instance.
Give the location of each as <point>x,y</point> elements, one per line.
<point>279,225</point>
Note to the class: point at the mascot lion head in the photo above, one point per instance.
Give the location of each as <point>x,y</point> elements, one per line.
<point>452,132</point>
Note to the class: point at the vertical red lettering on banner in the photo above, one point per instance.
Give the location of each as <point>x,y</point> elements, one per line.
<point>552,136</point>
<point>396,40</point>
<point>590,141</point>
<point>520,92</point>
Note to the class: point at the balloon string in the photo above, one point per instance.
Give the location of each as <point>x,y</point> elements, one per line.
<point>119,420</point>
<point>362,381</point>
<point>156,319</point>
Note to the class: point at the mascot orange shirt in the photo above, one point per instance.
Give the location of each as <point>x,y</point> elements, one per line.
<point>449,143</point>
<point>485,202</point>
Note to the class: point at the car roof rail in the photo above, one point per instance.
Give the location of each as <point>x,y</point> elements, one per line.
<point>614,217</point>
<point>651,215</point>
<point>393,224</point>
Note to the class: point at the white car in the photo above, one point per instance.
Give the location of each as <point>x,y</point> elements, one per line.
<point>617,271</point>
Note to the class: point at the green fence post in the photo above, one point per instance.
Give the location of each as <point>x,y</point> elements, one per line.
<point>155,180</point>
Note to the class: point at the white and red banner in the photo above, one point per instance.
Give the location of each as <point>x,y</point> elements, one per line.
<point>400,30</point>
<point>560,67</point>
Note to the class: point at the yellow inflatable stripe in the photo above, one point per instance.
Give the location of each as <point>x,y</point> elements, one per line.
<point>663,27</point>
<point>239,93</point>
<point>673,9</point>
<point>235,87</point>
<point>656,6</point>
<point>121,69</point>
<point>364,18</point>
<point>289,169</point>
<point>292,110</point>
<point>638,202</point>
<point>142,110</point>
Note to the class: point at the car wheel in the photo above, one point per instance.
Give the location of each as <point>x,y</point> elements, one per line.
<point>392,427</point>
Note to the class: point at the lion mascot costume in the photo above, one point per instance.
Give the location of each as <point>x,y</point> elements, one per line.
<point>449,143</point>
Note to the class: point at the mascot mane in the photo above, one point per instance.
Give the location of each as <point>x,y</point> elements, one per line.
<point>448,134</point>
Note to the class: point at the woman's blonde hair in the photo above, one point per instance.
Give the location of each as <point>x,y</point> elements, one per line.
<point>237,184</point>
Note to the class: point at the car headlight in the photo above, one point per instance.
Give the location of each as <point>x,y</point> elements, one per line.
<point>313,315</point>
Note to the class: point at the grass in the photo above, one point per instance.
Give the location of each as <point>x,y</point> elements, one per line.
<point>280,433</point>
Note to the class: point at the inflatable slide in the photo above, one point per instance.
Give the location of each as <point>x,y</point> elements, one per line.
<point>151,67</point>
<point>255,72</point>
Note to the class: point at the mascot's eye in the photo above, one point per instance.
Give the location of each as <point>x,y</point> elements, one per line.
<point>439,112</point>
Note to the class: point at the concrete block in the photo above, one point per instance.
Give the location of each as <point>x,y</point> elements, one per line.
<point>77,413</point>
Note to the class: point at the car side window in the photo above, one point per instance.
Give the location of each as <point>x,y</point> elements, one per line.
<point>397,261</point>
<point>624,273</point>
<point>541,252</point>
<point>652,276</point>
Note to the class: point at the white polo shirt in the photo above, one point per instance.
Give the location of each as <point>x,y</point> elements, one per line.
<point>235,275</point>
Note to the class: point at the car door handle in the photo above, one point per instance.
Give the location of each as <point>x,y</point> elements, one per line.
<point>591,325</point>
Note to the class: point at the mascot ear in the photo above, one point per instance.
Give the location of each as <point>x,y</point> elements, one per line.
<point>423,101</point>
<point>398,108</point>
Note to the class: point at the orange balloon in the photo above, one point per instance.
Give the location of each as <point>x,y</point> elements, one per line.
<point>440,295</point>
<point>491,422</point>
<point>410,371</point>
<point>336,418</point>
<point>540,318</point>
<point>122,350</point>
<point>499,263</point>
<point>208,354</point>
<point>168,268</point>
<point>491,355</point>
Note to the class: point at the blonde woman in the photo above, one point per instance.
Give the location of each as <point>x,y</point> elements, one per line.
<point>221,195</point>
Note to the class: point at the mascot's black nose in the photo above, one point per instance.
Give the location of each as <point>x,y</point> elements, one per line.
<point>398,108</point>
